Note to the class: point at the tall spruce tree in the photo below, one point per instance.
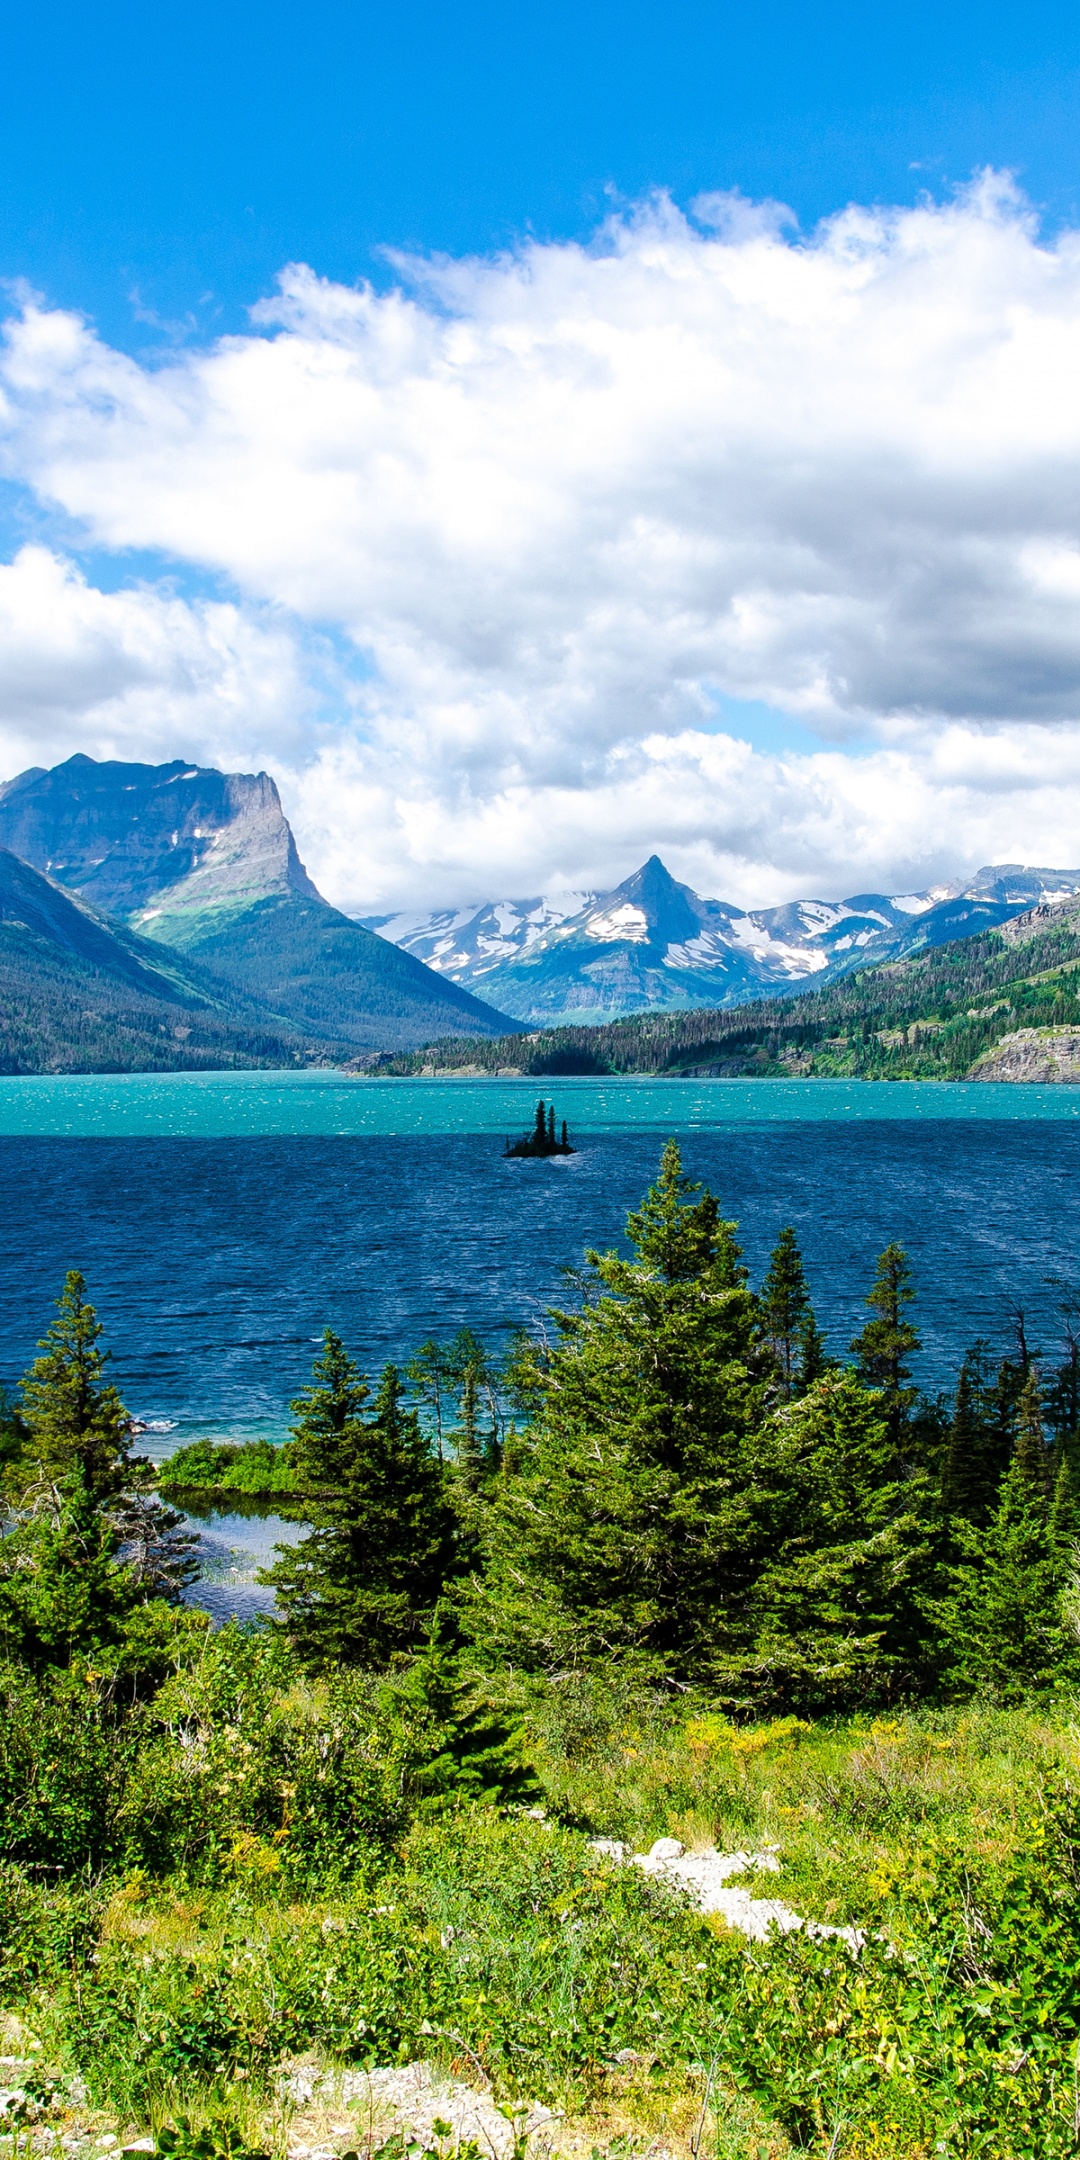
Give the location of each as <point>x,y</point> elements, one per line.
<point>1005,1396</point>
<point>73,1417</point>
<point>785,1310</point>
<point>429,1375</point>
<point>468,1449</point>
<point>1064,1519</point>
<point>90,1562</point>
<point>888,1340</point>
<point>814,1360</point>
<point>970,1474</point>
<point>626,1527</point>
<point>64,1590</point>
<point>1002,1621</point>
<point>836,1611</point>
<point>1032,1454</point>
<point>364,1584</point>
<point>1063,1395</point>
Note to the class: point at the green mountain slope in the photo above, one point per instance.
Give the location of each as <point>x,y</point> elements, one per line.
<point>942,1015</point>
<point>205,862</point>
<point>78,995</point>
<point>329,976</point>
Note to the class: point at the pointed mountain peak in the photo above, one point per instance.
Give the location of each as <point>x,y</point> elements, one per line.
<point>668,908</point>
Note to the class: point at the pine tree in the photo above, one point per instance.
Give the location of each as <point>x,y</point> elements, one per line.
<point>427,1373</point>
<point>1032,1455</point>
<point>1002,1623</point>
<point>326,1417</point>
<point>626,1526</point>
<point>1005,1398</point>
<point>469,1368</point>
<point>836,1611</point>
<point>1063,1397</point>
<point>364,1584</point>
<point>451,1742</point>
<point>888,1340</point>
<point>785,1310</point>
<point>551,1125</point>
<point>75,1420</point>
<point>814,1361</point>
<point>1064,1519</point>
<point>969,1473</point>
<point>468,1453</point>
<point>64,1591</point>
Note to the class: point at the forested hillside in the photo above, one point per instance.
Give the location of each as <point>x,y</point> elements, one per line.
<point>934,1017</point>
<point>80,994</point>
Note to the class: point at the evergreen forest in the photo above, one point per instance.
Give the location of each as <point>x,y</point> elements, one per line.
<point>676,1567</point>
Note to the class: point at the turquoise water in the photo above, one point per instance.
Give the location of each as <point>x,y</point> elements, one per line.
<point>251,1105</point>
<point>223,1220</point>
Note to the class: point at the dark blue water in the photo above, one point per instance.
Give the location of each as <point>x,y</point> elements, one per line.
<point>216,1262</point>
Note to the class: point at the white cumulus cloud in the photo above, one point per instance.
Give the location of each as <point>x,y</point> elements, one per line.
<point>138,673</point>
<point>553,503</point>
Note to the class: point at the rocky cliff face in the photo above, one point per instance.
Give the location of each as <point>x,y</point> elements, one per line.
<point>204,863</point>
<point>143,841</point>
<point>1043,1055</point>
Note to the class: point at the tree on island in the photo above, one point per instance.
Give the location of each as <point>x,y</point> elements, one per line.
<point>541,1140</point>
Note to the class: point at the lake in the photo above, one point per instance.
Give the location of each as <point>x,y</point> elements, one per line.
<point>222,1221</point>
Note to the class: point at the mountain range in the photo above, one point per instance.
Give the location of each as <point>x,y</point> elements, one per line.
<point>200,868</point>
<point>652,944</point>
<point>159,916</point>
<point>1002,1004</point>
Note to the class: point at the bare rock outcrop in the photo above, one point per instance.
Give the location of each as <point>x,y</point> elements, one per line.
<point>409,2099</point>
<point>705,1876</point>
<point>1043,1055</point>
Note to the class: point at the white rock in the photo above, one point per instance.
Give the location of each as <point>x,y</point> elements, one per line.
<point>666,1848</point>
<point>610,1848</point>
<point>412,2099</point>
<point>704,1877</point>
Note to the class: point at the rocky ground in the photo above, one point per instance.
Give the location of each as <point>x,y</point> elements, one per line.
<point>1045,1055</point>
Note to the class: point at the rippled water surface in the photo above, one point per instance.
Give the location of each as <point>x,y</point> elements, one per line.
<point>222,1221</point>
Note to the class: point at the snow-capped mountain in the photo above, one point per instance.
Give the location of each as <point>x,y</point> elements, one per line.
<point>654,943</point>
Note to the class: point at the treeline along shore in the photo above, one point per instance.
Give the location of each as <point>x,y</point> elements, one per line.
<point>677,1568</point>
<point>1003,1005</point>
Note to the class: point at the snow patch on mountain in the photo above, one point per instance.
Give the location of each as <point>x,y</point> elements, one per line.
<point>655,943</point>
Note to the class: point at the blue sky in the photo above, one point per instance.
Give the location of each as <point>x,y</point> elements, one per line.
<point>185,154</point>
<point>572,503</point>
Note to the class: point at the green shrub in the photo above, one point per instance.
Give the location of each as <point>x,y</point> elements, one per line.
<point>958,2023</point>
<point>246,1764</point>
<point>63,1767</point>
<point>46,1931</point>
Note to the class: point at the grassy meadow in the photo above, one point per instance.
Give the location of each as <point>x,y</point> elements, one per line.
<point>225,1926</point>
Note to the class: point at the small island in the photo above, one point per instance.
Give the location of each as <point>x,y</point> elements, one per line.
<point>541,1140</point>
